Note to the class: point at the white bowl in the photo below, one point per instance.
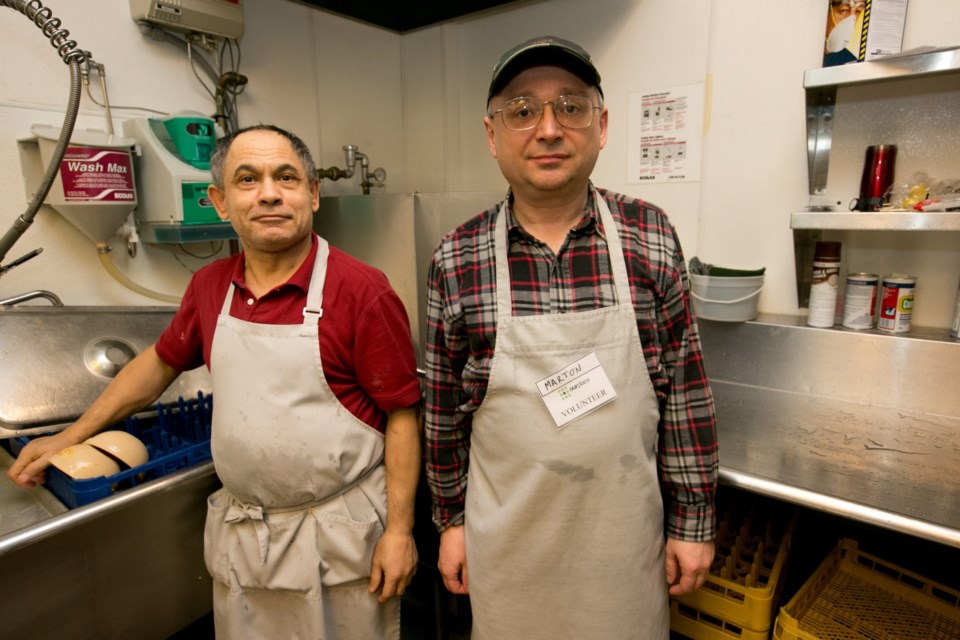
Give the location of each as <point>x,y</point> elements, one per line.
<point>121,445</point>
<point>82,461</point>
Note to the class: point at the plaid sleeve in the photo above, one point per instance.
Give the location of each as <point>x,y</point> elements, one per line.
<point>446,430</point>
<point>688,444</point>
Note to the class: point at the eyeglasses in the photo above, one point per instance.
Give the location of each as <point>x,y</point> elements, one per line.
<point>521,114</point>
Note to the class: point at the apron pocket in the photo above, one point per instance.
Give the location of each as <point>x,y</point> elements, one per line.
<point>277,553</point>
<point>348,530</point>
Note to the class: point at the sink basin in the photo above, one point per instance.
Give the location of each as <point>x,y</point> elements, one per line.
<point>55,361</point>
<point>19,507</point>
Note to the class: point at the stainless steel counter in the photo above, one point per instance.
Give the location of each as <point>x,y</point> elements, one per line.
<point>895,469</point>
<point>861,425</point>
<point>19,507</point>
<point>129,565</point>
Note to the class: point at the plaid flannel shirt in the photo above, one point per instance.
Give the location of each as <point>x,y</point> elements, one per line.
<point>461,335</point>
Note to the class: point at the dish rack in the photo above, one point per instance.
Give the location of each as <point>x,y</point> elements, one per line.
<point>177,435</point>
<point>856,596</point>
<point>738,601</point>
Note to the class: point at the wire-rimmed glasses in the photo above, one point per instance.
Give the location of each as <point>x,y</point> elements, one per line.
<point>523,113</point>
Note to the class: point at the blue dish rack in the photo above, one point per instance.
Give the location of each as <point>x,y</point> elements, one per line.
<point>178,436</point>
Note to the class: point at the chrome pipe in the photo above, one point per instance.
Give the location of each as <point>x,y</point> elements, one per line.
<point>30,295</point>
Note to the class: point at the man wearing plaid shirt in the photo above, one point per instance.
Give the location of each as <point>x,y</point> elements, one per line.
<point>570,431</point>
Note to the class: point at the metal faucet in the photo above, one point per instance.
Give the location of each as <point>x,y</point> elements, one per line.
<point>30,295</point>
<point>352,154</point>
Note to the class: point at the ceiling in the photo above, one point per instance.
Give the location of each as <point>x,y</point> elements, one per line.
<point>405,15</point>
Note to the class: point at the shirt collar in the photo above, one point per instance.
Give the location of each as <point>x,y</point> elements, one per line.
<point>590,223</point>
<point>301,277</point>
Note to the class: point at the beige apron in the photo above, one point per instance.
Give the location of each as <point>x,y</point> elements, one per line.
<point>290,537</point>
<point>564,526</point>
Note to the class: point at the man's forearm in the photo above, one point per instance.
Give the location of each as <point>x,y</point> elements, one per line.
<point>402,460</point>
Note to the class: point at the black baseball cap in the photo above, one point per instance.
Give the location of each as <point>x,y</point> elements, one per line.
<point>544,50</point>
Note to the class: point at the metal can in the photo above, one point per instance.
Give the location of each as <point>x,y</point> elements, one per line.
<point>824,283</point>
<point>896,303</point>
<point>860,300</point>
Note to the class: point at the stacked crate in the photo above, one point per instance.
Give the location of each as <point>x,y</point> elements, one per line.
<point>739,598</point>
<point>856,596</point>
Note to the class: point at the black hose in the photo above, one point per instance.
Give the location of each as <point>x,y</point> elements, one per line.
<point>73,57</point>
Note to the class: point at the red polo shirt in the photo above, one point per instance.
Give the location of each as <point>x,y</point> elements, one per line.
<point>365,344</point>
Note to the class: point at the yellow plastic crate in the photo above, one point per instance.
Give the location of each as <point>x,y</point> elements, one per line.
<point>856,596</point>
<point>739,597</point>
<point>699,625</point>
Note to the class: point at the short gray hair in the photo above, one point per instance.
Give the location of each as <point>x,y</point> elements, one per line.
<point>223,144</point>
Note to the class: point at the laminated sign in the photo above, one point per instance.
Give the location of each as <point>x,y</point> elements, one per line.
<point>576,390</point>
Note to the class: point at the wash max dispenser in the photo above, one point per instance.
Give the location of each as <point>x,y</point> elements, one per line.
<point>172,178</point>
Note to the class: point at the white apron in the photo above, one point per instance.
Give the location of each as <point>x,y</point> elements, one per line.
<point>564,526</point>
<point>290,537</point>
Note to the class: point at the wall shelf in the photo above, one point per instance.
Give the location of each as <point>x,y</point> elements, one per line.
<point>821,86</point>
<point>913,63</point>
<point>876,221</point>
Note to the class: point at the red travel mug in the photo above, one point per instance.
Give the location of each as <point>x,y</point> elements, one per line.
<point>877,176</point>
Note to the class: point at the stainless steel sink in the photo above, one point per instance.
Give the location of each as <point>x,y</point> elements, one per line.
<point>129,565</point>
<point>21,508</point>
<point>55,361</point>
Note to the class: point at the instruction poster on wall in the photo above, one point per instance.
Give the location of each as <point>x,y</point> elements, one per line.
<point>665,135</point>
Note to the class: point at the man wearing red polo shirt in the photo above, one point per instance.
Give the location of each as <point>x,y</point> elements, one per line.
<point>315,433</point>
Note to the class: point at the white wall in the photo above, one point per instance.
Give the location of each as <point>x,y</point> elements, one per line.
<point>332,81</point>
<point>414,103</point>
<point>623,38</point>
<point>754,171</point>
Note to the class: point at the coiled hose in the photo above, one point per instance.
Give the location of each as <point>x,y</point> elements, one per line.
<point>73,57</point>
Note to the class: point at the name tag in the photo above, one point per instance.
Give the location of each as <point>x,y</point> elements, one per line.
<point>575,390</point>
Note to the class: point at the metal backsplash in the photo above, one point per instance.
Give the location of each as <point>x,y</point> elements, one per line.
<point>55,361</point>
<point>397,234</point>
<point>906,372</point>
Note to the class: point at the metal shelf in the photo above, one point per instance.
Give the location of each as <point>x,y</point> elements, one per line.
<point>876,221</point>
<point>821,86</point>
<point>917,62</point>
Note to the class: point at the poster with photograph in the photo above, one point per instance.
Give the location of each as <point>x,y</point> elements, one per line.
<point>859,30</point>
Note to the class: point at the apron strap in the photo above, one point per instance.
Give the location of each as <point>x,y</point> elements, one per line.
<point>238,512</point>
<point>313,310</point>
<point>500,247</point>
<point>618,261</point>
<point>227,300</point>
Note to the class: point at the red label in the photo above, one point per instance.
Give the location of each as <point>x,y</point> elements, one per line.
<point>897,299</point>
<point>105,175</point>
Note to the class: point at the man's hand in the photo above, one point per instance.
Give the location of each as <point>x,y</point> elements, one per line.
<point>687,565</point>
<point>395,556</point>
<point>28,469</point>
<point>453,560</point>
<point>394,565</point>
<point>138,385</point>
